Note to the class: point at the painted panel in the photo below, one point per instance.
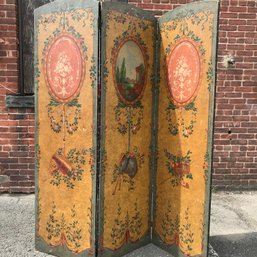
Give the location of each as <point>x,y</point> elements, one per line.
<point>185,120</point>
<point>65,74</point>
<point>128,54</point>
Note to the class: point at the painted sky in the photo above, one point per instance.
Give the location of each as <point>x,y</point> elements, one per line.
<point>133,55</point>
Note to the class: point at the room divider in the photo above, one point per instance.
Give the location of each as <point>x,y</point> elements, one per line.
<point>124,127</point>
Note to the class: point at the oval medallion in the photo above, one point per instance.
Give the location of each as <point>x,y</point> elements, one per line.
<point>184,70</point>
<point>129,72</point>
<point>64,68</point>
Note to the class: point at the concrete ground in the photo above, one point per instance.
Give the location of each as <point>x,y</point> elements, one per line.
<point>233,227</point>
<point>234,224</point>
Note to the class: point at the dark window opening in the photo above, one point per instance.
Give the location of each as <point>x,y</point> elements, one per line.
<point>26,43</point>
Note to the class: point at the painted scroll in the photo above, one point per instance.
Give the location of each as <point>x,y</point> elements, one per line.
<point>128,49</point>
<point>65,71</point>
<point>186,106</point>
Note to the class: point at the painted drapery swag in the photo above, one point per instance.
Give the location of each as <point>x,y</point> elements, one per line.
<point>124,134</point>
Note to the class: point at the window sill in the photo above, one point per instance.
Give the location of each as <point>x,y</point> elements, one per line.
<point>20,101</point>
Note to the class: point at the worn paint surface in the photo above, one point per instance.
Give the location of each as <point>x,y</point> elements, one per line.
<point>128,65</point>
<point>185,129</point>
<point>143,182</point>
<point>65,79</point>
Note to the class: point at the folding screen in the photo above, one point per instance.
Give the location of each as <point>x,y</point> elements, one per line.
<point>124,116</point>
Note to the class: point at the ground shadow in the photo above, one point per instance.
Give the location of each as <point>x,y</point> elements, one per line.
<point>235,245</point>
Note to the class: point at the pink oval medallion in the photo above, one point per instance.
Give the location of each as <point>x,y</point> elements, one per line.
<point>64,68</point>
<point>184,68</point>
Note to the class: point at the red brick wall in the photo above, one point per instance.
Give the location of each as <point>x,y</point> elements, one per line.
<point>159,7</point>
<point>16,125</point>
<point>235,145</point>
<point>235,156</point>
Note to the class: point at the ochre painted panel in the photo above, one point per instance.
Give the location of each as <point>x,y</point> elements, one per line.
<point>127,115</point>
<point>186,81</point>
<point>65,150</point>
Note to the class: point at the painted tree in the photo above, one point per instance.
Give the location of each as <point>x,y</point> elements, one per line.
<point>117,74</point>
<point>123,72</point>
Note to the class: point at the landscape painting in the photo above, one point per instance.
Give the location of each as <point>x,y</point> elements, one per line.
<point>130,72</point>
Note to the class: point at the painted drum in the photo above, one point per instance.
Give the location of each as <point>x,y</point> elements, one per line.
<point>184,72</point>
<point>129,165</point>
<point>130,72</point>
<point>64,68</point>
